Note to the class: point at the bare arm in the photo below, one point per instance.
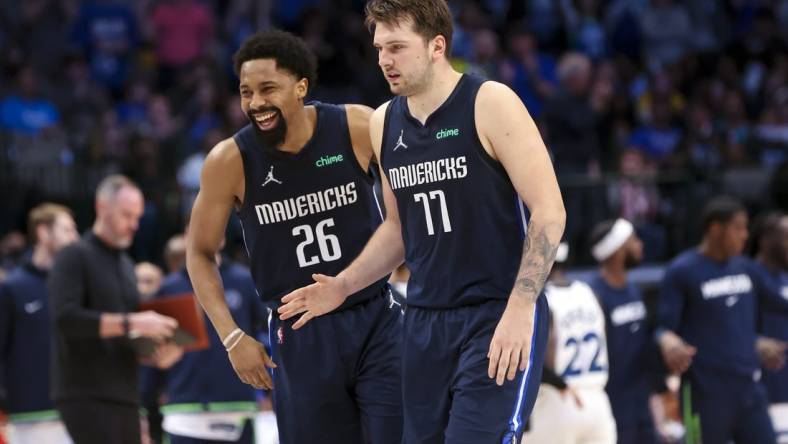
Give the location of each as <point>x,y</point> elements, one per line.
<point>384,252</point>
<point>510,136</point>
<point>221,187</point>
<point>358,124</point>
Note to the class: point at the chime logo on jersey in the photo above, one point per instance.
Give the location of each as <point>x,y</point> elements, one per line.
<point>447,132</point>
<point>328,160</point>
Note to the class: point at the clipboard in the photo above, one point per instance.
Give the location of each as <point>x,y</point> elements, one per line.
<point>191,332</point>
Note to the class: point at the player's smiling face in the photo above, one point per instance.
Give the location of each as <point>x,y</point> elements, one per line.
<point>269,96</point>
<point>405,57</point>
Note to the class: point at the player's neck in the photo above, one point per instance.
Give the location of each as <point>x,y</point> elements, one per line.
<point>713,251</point>
<point>614,275</point>
<point>300,129</point>
<point>432,96</point>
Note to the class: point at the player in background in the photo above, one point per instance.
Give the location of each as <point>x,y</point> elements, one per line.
<point>577,352</point>
<point>633,357</point>
<point>770,238</point>
<point>707,328</point>
<point>25,331</point>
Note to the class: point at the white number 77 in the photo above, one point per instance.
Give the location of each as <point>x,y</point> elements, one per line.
<point>424,199</point>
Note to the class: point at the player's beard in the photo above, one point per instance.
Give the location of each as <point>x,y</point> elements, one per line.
<point>630,261</point>
<point>418,82</point>
<point>273,137</point>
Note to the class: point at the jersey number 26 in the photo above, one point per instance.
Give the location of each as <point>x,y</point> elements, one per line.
<point>328,244</point>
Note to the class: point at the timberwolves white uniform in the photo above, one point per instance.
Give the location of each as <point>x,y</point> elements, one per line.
<point>580,358</point>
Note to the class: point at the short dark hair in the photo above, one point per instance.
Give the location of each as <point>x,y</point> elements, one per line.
<point>430,17</point>
<point>720,210</point>
<point>764,226</point>
<point>600,231</point>
<point>290,53</point>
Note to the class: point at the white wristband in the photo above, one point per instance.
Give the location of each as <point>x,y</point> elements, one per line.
<point>230,337</point>
<point>236,342</point>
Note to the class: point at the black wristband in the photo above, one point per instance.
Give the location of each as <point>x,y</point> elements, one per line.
<point>550,377</point>
<point>126,325</point>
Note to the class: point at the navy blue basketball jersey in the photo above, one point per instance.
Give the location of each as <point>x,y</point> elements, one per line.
<point>462,221</point>
<point>774,324</point>
<point>631,351</point>
<point>309,212</point>
<point>712,306</point>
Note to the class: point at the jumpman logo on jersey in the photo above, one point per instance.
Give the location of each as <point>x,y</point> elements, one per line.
<point>393,302</point>
<point>270,177</point>
<point>400,143</point>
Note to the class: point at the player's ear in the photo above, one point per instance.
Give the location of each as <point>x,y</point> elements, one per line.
<point>438,45</point>
<point>302,86</point>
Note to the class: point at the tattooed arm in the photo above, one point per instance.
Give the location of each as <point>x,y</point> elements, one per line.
<point>510,136</point>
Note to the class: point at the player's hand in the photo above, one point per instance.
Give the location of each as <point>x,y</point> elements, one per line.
<point>324,296</point>
<point>511,343</point>
<point>152,325</point>
<point>249,360</point>
<point>676,353</point>
<point>772,352</point>
<point>167,354</point>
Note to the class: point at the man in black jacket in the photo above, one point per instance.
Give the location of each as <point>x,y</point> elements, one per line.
<point>93,298</point>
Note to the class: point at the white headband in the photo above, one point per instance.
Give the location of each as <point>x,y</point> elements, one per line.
<point>613,240</point>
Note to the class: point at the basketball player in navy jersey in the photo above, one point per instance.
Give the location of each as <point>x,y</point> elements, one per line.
<point>707,318</point>
<point>297,177</point>
<point>633,355</point>
<point>459,157</point>
<point>771,263</point>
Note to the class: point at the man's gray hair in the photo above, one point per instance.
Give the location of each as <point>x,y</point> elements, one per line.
<point>572,63</point>
<point>110,185</point>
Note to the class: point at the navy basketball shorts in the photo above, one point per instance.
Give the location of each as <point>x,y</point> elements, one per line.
<point>730,408</point>
<point>447,395</point>
<point>642,432</point>
<point>338,378</point>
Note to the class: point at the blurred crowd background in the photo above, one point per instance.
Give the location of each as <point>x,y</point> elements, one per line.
<point>648,107</point>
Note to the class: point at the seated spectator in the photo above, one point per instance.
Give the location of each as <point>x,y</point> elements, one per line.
<point>149,278</point>
<point>660,138</point>
<point>26,111</point>
<point>106,31</point>
<point>635,197</point>
<point>530,73</point>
